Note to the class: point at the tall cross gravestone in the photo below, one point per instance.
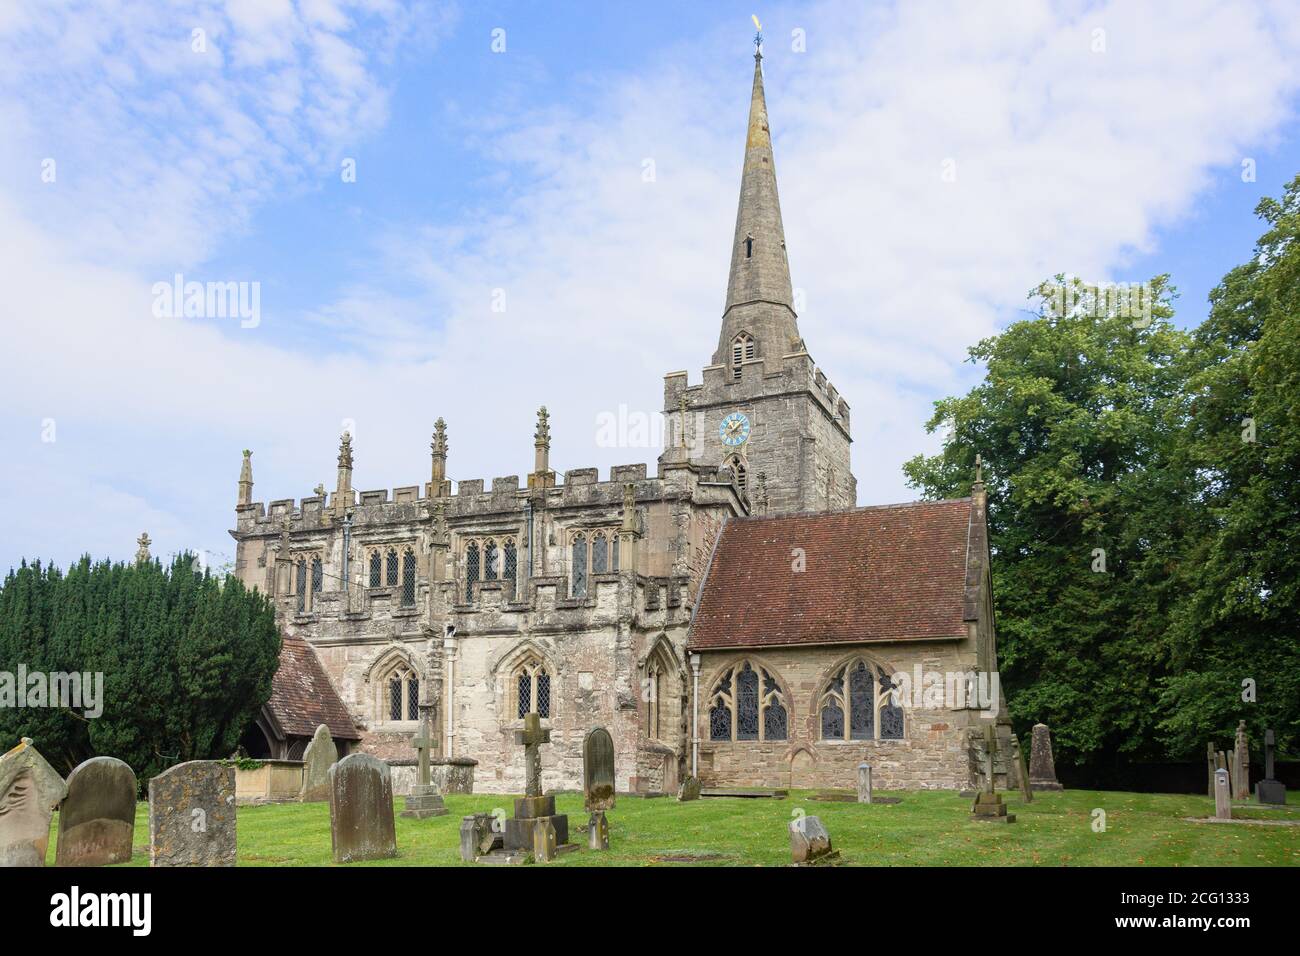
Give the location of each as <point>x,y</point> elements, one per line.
<point>425,800</point>
<point>988,803</point>
<point>534,809</point>
<point>1268,790</point>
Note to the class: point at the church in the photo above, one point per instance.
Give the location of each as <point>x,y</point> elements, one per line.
<point>732,617</point>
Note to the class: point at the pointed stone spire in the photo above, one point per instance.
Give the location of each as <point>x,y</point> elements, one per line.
<point>438,447</point>
<point>542,476</point>
<point>760,301</point>
<point>246,481</point>
<point>343,492</point>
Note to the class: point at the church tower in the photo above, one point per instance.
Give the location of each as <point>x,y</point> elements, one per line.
<point>765,409</point>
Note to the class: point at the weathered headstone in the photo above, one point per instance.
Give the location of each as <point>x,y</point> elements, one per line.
<point>321,754</point>
<point>1268,790</point>
<point>424,799</point>
<point>598,770</point>
<point>988,804</point>
<point>97,820</point>
<point>598,831</point>
<point>1232,772</point>
<point>361,809</point>
<point>1042,766</point>
<point>192,815</point>
<point>864,783</point>
<point>1209,769</point>
<point>689,790</point>
<point>29,790</point>
<point>810,843</point>
<point>1241,791</point>
<point>477,836</point>
<point>1022,774</point>
<point>544,840</point>
<point>1222,796</point>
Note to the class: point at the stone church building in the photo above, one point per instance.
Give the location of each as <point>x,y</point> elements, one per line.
<point>732,615</point>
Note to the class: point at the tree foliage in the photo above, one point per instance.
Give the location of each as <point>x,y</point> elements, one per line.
<point>186,659</point>
<point>1147,552</point>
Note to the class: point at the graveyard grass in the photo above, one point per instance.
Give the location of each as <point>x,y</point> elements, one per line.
<point>928,828</point>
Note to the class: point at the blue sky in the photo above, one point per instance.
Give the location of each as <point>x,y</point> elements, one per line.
<point>1100,139</point>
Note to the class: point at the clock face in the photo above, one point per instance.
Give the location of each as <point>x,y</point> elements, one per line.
<point>734,429</point>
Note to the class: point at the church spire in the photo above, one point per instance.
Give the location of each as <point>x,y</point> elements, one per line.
<point>760,302</point>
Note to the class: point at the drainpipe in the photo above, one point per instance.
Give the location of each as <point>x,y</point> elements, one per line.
<point>449,667</point>
<point>695,717</point>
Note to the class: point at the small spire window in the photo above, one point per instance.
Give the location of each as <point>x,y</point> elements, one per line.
<point>743,349</point>
<point>749,247</point>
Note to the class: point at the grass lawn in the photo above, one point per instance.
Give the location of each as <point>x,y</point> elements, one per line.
<point>927,828</point>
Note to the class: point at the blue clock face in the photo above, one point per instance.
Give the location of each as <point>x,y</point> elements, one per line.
<point>734,429</point>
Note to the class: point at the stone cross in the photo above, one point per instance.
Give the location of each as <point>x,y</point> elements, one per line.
<point>142,552</point>
<point>532,737</point>
<point>424,742</point>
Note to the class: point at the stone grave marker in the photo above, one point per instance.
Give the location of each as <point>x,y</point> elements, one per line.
<point>988,804</point>
<point>321,754</point>
<point>29,790</point>
<point>810,843</point>
<point>1241,790</point>
<point>864,783</point>
<point>689,790</point>
<point>1022,774</point>
<point>1268,790</point>
<point>544,840</point>
<point>1209,769</point>
<point>598,831</point>
<point>424,800</point>
<point>534,807</point>
<point>97,820</point>
<point>598,770</point>
<point>361,809</point>
<point>1222,796</point>
<point>1042,766</point>
<point>477,836</point>
<point>192,815</point>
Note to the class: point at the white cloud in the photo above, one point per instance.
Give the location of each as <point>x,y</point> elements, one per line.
<point>1066,160</point>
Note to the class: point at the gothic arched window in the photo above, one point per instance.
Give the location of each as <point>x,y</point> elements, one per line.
<point>301,585</point>
<point>754,710</point>
<point>391,577</point>
<point>376,566</point>
<point>408,578</point>
<point>742,349</point>
<point>401,694</point>
<point>471,570</point>
<point>317,577</point>
<point>532,689</point>
<point>599,553</point>
<point>579,565</point>
<point>490,561</point>
<point>866,711</point>
<point>509,567</point>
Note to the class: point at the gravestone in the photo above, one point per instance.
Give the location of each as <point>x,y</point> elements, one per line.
<point>361,809</point>
<point>478,837</point>
<point>1268,790</point>
<point>97,820</point>
<point>1022,775</point>
<point>689,790</point>
<point>544,840</point>
<point>192,815</point>
<point>1042,767</point>
<point>598,831</point>
<point>424,799</point>
<point>988,805</point>
<point>534,808</point>
<point>1222,796</point>
<point>1209,769</point>
<point>1241,790</point>
<point>321,754</point>
<point>1233,770</point>
<point>864,783</point>
<point>29,790</point>
<point>810,843</point>
<point>598,770</point>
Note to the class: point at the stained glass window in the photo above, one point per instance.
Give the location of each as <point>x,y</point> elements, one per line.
<point>490,561</point>
<point>579,566</point>
<point>510,567</point>
<point>832,720</point>
<point>376,565</point>
<point>471,571</point>
<point>891,714</point>
<point>720,720</point>
<point>408,579</point>
<point>599,554</point>
<point>392,568</point>
<point>774,720</point>
<point>747,704</point>
<point>861,703</point>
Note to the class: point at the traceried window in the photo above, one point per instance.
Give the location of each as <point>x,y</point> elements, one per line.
<point>402,694</point>
<point>490,561</point>
<point>579,565</point>
<point>856,704</point>
<point>748,705</point>
<point>742,349</point>
<point>655,686</point>
<point>301,585</point>
<point>376,566</point>
<point>471,570</point>
<point>391,576</point>
<point>317,578</point>
<point>532,689</point>
<point>510,568</point>
<point>613,564</point>
<point>408,579</point>
<point>599,553</point>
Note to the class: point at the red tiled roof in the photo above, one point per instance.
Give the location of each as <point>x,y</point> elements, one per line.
<point>302,696</point>
<point>872,574</point>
